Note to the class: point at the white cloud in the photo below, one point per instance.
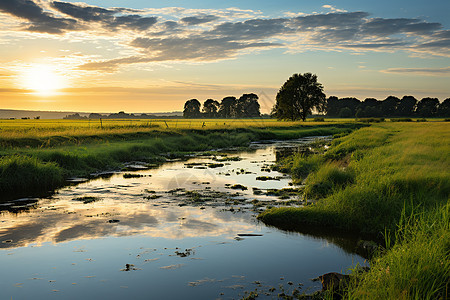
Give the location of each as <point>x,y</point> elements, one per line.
<point>420,71</point>
<point>333,9</point>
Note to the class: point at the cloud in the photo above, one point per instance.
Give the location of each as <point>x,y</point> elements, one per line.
<point>40,21</point>
<point>195,20</point>
<point>106,17</point>
<point>255,29</point>
<point>331,20</point>
<point>387,27</point>
<point>333,9</point>
<point>170,34</point>
<point>420,71</point>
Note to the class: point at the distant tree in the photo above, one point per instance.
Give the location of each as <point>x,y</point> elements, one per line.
<point>444,109</point>
<point>351,103</point>
<point>406,106</point>
<point>121,115</point>
<point>332,106</point>
<point>95,116</point>
<point>371,111</point>
<point>210,108</point>
<point>192,109</point>
<point>427,107</point>
<point>389,106</point>
<point>228,107</point>
<point>345,113</point>
<point>247,106</point>
<point>299,96</point>
<point>75,116</point>
<point>368,108</point>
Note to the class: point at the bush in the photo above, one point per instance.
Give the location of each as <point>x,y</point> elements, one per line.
<point>402,120</point>
<point>370,120</point>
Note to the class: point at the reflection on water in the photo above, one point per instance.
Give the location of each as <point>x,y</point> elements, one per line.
<point>168,233</point>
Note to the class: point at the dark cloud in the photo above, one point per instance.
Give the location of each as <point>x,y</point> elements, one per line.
<point>255,29</point>
<point>40,20</point>
<point>375,45</point>
<point>178,49</point>
<point>106,17</point>
<point>194,48</point>
<point>444,34</point>
<point>85,13</point>
<point>331,20</point>
<point>195,20</point>
<point>436,44</point>
<point>386,27</point>
<point>336,35</point>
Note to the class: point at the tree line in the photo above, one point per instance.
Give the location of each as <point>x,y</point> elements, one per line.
<point>408,106</point>
<point>301,95</point>
<point>246,106</point>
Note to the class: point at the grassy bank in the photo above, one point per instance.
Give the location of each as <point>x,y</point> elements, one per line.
<point>32,162</point>
<point>391,180</point>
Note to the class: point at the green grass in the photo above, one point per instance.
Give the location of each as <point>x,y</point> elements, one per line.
<point>390,180</point>
<point>19,173</point>
<point>79,153</point>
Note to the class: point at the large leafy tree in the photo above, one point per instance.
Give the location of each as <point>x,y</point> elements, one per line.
<point>444,108</point>
<point>298,97</point>
<point>247,106</point>
<point>192,109</point>
<point>427,107</point>
<point>210,108</point>
<point>406,106</point>
<point>228,107</point>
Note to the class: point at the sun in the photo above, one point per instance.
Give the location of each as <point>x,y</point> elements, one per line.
<point>43,79</point>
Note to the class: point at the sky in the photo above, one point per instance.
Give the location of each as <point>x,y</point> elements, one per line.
<point>145,56</point>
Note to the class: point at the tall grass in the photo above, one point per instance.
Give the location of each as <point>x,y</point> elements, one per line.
<point>417,266</point>
<point>398,186</point>
<point>85,154</point>
<point>22,172</point>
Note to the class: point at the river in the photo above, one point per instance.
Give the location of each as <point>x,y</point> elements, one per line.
<point>182,230</point>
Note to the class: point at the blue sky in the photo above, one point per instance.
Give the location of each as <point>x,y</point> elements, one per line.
<point>145,56</point>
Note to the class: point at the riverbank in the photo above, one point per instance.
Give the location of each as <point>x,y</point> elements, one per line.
<point>389,180</point>
<point>39,163</point>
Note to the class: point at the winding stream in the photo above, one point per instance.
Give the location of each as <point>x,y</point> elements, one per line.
<point>183,230</point>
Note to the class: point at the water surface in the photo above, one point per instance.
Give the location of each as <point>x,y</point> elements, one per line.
<point>178,231</point>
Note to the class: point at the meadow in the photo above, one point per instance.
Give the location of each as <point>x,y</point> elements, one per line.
<point>39,155</point>
<point>386,180</point>
<point>390,181</point>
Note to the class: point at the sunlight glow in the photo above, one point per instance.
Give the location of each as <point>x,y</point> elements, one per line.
<point>43,79</point>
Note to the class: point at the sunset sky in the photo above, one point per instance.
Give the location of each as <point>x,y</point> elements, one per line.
<point>152,56</point>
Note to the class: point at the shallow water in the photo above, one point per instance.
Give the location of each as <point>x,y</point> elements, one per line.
<point>179,231</point>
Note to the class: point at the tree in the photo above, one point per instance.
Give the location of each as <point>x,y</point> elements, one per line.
<point>345,113</point>
<point>228,107</point>
<point>299,96</point>
<point>247,106</point>
<point>192,109</point>
<point>444,109</point>
<point>427,107</point>
<point>389,106</point>
<point>333,106</point>
<point>210,108</point>
<point>406,106</point>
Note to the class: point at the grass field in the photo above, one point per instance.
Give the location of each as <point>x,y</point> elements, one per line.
<point>40,154</point>
<point>43,128</point>
<point>390,180</point>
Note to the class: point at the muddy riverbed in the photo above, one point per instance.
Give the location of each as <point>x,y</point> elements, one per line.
<point>182,230</point>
